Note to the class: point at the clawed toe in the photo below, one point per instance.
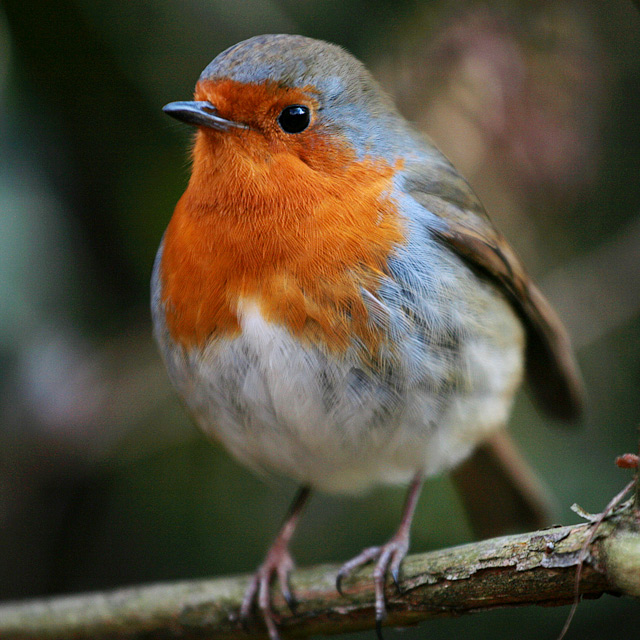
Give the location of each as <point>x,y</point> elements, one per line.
<point>278,563</point>
<point>394,570</point>
<point>360,560</point>
<point>258,592</point>
<point>388,559</point>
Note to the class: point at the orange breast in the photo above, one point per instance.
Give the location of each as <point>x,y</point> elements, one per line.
<point>300,238</point>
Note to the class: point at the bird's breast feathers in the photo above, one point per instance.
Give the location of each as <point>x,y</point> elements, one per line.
<point>354,361</point>
<point>303,244</point>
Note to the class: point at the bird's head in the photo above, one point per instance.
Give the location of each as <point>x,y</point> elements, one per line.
<point>286,94</point>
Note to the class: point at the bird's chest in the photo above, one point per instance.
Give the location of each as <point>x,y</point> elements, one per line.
<point>304,255</point>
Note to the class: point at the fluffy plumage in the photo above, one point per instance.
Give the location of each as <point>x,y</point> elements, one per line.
<point>335,305</point>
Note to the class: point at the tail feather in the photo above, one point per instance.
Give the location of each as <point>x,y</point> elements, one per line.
<point>500,491</point>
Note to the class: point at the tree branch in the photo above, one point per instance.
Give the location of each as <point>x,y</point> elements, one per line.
<point>518,570</point>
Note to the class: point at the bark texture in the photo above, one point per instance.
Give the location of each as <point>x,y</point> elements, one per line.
<point>518,570</point>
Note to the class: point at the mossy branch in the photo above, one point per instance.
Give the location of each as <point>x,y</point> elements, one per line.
<point>518,570</point>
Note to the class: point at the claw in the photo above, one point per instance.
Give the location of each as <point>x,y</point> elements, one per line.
<point>395,574</point>
<point>278,563</point>
<point>287,594</point>
<point>388,559</point>
<point>394,569</point>
<point>364,558</point>
<point>248,599</point>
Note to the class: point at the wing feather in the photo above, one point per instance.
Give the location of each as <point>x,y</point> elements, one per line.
<point>551,369</point>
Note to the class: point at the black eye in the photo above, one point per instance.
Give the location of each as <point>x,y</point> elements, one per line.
<point>295,118</point>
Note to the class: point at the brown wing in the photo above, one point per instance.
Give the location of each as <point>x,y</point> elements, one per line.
<point>550,366</point>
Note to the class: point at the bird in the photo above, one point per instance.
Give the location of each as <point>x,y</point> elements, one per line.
<point>330,298</point>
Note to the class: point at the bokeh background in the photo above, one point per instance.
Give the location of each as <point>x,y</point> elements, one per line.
<point>103,480</point>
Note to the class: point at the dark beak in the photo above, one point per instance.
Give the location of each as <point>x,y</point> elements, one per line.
<point>201,114</point>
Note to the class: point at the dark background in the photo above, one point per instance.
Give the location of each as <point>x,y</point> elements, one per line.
<point>103,480</point>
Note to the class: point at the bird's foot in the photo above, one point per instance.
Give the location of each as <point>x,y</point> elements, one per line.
<point>388,558</point>
<point>278,563</point>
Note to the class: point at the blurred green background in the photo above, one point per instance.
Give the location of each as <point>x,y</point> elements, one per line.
<point>103,480</point>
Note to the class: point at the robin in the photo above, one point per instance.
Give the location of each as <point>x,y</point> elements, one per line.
<point>331,300</point>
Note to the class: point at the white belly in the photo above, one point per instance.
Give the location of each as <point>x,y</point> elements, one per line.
<point>324,421</point>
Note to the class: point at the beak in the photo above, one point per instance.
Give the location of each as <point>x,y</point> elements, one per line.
<point>200,113</point>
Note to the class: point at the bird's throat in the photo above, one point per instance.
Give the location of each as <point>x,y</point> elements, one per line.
<point>301,243</point>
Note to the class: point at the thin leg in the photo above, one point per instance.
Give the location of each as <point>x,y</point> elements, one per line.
<point>390,555</point>
<point>278,562</point>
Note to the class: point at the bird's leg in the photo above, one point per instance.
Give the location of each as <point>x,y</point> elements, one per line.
<point>390,555</point>
<point>278,562</point>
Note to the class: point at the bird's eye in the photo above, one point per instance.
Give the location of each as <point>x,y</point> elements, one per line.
<point>294,118</point>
